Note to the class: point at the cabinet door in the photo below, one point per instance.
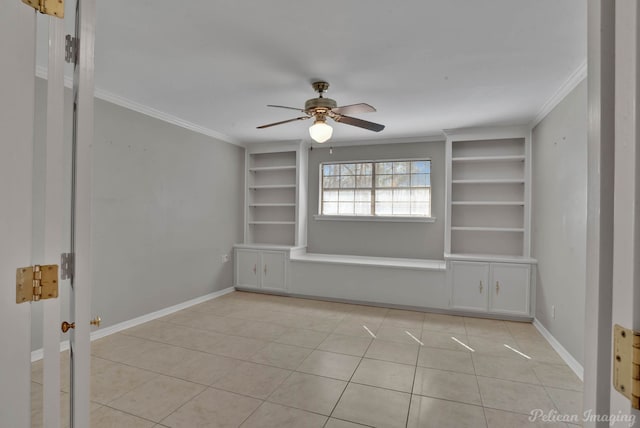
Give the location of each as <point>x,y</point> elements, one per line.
<point>469,282</point>
<point>273,270</point>
<point>509,288</point>
<point>247,265</point>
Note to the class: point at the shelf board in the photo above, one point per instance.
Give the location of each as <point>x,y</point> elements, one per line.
<point>272,222</point>
<point>273,186</point>
<point>488,158</point>
<point>275,204</point>
<point>490,181</point>
<point>272,168</point>
<point>488,229</point>
<point>492,203</point>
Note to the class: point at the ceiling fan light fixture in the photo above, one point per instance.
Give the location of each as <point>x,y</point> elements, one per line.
<point>320,131</point>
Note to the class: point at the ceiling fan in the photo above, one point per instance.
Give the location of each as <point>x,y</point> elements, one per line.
<point>321,108</point>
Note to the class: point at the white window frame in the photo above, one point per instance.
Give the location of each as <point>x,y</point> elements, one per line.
<point>374,218</point>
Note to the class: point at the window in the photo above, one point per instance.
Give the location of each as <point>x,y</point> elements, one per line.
<point>382,189</point>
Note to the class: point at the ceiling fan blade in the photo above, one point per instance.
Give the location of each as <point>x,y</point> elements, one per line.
<point>376,127</point>
<point>284,121</point>
<point>354,109</point>
<point>290,108</point>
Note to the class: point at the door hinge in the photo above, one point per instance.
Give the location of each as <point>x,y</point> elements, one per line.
<point>48,7</point>
<point>34,283</point>
<point>626,363</point>
<point>71,49</point>
<point>66,265</point>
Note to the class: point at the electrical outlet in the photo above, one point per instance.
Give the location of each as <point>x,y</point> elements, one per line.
<point>225,258</point>
<point>553,311</point>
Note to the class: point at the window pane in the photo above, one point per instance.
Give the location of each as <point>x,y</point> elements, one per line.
<point>401,195</point>
<point>331,169</point>
<point>363,208</point>
<point>347,182</point>
<point>345,196</point>
<point>384,180</point>
<point>420,195</point>
<point>384,195</point>
<point>420,208</point>
<point>401,167</point>
<point>363,168</point>
<point>347,169</point>
<point>384,167</point>
<point>401,208</point>
<point>418,180</point>
<point>363,181</point>
<point>384,208</point>
<point>345,208</point>
<point>330,208</point>
<point>330,195</point>
<point>420,167</point>
<point>363,196</point>
<point>401,180</point>
<point>331,182</point>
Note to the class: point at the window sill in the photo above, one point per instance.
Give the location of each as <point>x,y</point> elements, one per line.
<point>374,218</point>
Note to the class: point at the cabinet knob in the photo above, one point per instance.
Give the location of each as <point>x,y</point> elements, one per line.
<point>481,287</point>
<point>497,287</point>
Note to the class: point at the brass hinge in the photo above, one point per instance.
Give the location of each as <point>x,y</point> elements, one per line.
<point>48,7</point>
<point>626,363</point>
<point>36,282</point>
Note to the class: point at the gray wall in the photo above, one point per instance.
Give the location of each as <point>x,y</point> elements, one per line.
<point>379,239</point>
<point>167,204</point>
<point>559,219</point>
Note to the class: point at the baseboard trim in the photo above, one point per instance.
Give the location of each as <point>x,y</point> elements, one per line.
<point>564,354</point>
<point>103,332</point>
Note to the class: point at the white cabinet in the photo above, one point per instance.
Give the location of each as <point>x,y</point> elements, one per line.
<point>499,288</point>
<point>260,269</point>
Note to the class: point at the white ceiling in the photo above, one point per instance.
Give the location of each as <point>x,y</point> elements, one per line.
<point>426,65</point>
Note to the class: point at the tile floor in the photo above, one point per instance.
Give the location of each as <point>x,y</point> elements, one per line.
<point>252,360</point>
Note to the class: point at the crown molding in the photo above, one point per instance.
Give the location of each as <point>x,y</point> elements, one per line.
<point>569,85</point>
<point>146,110</point>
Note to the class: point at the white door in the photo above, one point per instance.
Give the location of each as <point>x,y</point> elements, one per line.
<point>469,282</point>
<point>509,289</point>
<point>273,270</point>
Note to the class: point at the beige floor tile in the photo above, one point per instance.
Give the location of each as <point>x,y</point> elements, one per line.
<point>106,417</point>
<point>434,339</point>
<point>120,347</point>
<point>342,344</point>
<point>513,396</point>
<point>309,392</point>
<point>238,347</point>
<point>157,398</point>
<point>445,359</point>
<point>318,323</point>
<point>404,319</point>
<point>213,409</point>
<point>427,412</point>
<point>403,353</point>
<point>502,419</point>
<point>160,358</point>
<point>495,347</point>
<point>283,356</point>
<point>260,330</point>
<point>519,370</point>
<point>351,327</point>
<point>207,321</point>
<point>301,337</point>
<point>329,364</point>
<point>540,352</point>
<point>203,368</point>
<point>115,380</point>
<point>338,423</point>
<point>397,334</point>
<point>567,402</point>
<point>447,385</point>
<point>494,329</point>
<point>373,406</point>
<point>557,376</point>
<point>385,374</point>
<point>254,380</point>
<point>271,415</point>
<point>444,323</point>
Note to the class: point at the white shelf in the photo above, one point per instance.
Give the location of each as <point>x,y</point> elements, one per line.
<point>490,181</point>
<point>273,222</point>
<point>488,229</point>
<point>272,186</point>
<point>488,158</point>
<point>273,168</point>
<point>489,203</point>
<point>272,205</point>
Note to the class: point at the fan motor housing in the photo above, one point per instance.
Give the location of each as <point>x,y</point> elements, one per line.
<point>315,103</point>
